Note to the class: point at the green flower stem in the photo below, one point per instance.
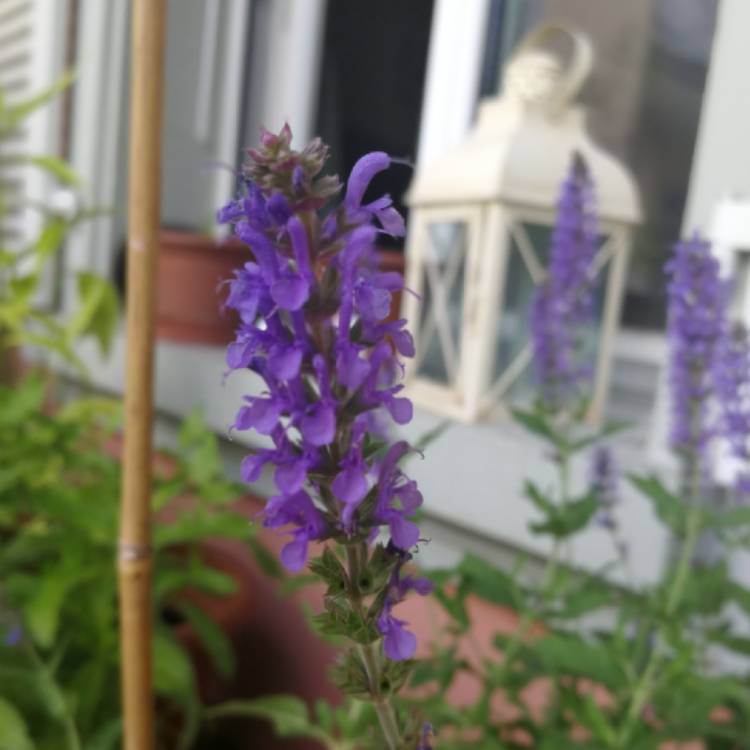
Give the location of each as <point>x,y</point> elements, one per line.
<point>551,567</point>
<point>372,654</point>
<point>644,688</point>
<point>72,740</point>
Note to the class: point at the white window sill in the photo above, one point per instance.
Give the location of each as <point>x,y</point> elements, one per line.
<point>471,477</point>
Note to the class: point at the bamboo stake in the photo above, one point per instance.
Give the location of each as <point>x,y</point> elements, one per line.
<point>135,557</point>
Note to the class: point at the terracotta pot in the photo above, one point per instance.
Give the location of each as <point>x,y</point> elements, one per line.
<point>191,270</point>
<point>12,366</point>
<point>393,260</point>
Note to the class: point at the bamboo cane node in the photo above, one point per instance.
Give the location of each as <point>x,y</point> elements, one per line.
<point>129,552</point>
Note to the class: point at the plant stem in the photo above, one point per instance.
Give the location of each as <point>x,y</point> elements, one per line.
<point>372,653</point>
<point>643,689</point>
<point>72,740</point>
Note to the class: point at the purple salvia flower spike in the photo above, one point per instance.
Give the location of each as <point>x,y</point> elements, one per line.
<point>730,374</point>
<point>563,305</point>
<point>697,321</point>
<point>313,326</point>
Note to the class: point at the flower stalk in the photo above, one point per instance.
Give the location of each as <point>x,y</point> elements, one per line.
<point>314,310</point>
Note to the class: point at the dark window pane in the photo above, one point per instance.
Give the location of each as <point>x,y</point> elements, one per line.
<point>372,78</point>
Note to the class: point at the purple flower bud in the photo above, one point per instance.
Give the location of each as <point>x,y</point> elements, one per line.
<point>14,636</point>
<point>425,741</point>
<point>603,484</point>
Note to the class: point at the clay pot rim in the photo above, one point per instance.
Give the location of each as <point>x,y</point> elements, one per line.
<point>186,240</point>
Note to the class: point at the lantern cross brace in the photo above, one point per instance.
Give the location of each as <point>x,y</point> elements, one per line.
<point>519,363</point>
<point>528,255</point>
<point>538,275</point>
<point>437,316</point>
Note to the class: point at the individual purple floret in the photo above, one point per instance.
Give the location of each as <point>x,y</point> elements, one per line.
<point>697,316</point>
<point>13,636</point>
<point>563,306</point>
<point>399,643</point>
<point>314,326</point>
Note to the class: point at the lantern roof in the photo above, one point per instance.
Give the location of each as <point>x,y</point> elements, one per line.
<point>521,147</point>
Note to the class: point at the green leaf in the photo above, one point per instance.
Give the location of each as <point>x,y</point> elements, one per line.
<point>538,498</point>
<point>196,576</point>
<point>49,240</point>
<point>328,567</point>
<point>536,422</point>
<point>490,583</point>
<point>455,606</point>
<point>594,719</point>
<point>668,507</point>
<point>42,612</point>
<point>289,715</point>
<point>173,672</point>
<point>11,117</point>
<point>609,429</point>
<point>23,287</point>
<point>737,643</point>
<point>740,595</point>
<point>266,560</point>
<point>441,668</point>
<point>14,734</point>
<point>211,636</point>
<point>52,344</point>
<point>18,403</point>
<point>593,594</point>
<point>565,654</point>
<point>107,737</point>
<point>707,589</point>
<point>98,311</point>
<point>194,526</point>
<point>564,520</point>
<point>731,517</point>
<point>59,169</point>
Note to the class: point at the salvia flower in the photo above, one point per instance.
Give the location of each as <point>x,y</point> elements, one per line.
<point>563,306</point>
<point>314,325</point>
<point>13,636</point>
<point>697,323</point>
<point>425,740</point>
<point>603,484</point>
<point>399,642</point>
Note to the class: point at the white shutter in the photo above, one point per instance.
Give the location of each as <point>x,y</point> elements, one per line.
<point>16,35</point>
<point>32,42</point>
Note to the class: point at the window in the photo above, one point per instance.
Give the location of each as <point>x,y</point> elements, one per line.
<point>644,100</point>
<point>372,78</point>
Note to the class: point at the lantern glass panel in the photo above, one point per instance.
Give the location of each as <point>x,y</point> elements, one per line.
<point>524,268</point>
<point>528,250</point>
<point>442,287</point>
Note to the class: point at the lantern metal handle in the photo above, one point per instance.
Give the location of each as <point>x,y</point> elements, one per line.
<point>572,77</point>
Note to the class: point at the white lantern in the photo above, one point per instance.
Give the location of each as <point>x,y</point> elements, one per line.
<point>481,218</point>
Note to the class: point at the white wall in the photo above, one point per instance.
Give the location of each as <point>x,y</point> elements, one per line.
<point>722,155</point>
